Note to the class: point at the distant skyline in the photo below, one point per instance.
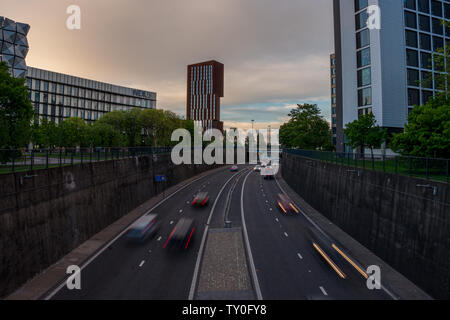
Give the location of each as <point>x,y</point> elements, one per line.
<point>276,53</point>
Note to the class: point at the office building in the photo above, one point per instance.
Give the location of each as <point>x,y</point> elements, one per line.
<point>56,96</point>
<point>204,90</point>
<point>388,69</point>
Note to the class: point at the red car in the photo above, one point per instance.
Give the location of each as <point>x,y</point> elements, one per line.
<point>200,200</point>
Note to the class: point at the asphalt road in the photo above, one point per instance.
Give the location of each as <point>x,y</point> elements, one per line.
<point>285,262</point>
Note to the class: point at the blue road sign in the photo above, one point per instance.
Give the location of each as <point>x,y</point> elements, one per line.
<point>160,178</point>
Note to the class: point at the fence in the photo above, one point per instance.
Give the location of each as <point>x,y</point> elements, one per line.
<point>22,160</point>
<point>428,168</point>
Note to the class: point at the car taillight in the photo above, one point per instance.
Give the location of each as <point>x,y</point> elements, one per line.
<point>292,206</point>
<point>204,201</point>
<point>195,200</point>
<point>282,208</point>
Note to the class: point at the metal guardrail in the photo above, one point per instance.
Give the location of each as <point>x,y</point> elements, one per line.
<point>428,168</point>
<point>23,160</point>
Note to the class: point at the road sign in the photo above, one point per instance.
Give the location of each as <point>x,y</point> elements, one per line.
<point>160,178</point>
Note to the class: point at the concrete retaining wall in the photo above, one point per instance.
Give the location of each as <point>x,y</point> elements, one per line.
<point>45,214</point>
<point>403,223</point>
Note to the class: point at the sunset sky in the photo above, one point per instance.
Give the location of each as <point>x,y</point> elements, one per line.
<point>275,52</point>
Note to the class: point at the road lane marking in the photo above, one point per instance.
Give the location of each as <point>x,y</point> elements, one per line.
<point>181,210</point>
<point>323,291</point>
<point>142,263</point>
<point>299,255</point>
<point>159,238</point>
<point>202,244</point>
<point>393,296</point>
<point>277,220</point>
<point>286,234</point>
<point>171,222</point>
<point>247,243</point>
<point>108,245</point>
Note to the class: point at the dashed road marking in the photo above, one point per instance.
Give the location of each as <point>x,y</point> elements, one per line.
<point>181,210</point>
<point>277,220</point>
<point>159,238</point>
<point>323,291</point>
<point>299,255</point>
<point>142,263</point>
<point>171,222</point>
<point>286,234</point>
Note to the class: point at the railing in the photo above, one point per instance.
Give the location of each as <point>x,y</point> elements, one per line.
<point>428,168</point>
<point>23,160</point>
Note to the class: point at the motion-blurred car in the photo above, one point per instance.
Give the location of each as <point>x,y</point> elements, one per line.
<point>267,172</point>
<point>285,204</point>
<point>182,234</point>
<point>200,200</point>
<point>234,168</point>
<point>257,168</point>
<point>147,226</point>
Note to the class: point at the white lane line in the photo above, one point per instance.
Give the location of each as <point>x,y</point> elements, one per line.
<point>105,247</point>
<point>299,255</point>
<point>277,220</point>
<point>392,295</point>
<point>247,243</point>
<point>202,244</point>
<point>181,210</point>
<point>142,263</point>
<point>286,234</point>
<point>159,238</point>
<point>270,209</point>
<point>323,291</point>
<point>149,251</point>
<point>171,222</point>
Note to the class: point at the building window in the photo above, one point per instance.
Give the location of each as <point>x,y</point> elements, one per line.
<point>360,4</point>
<point>411,38</point>
<point>364,77</point>
<point>361,20</point>
<point>413,77</point>
<point>362,39</point>
<point>412,58</point>
<point>426,95</point>
<point>438,43</point>
<point>437,26</point>
<point>410,20</point>
<point>427,80</point>
<point>425,42</point>
<point>363,57</point>
<point>410,4</point>
<point>424,6</point>
<point>425,60</point>
<point>436,8</point>
<point>447,10</point>
<point>424,23</point>
<point>413,97</point>
<point>365,97</point>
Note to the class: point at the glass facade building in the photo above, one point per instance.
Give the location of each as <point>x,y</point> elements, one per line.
<point>56,96</point>
<point>14,46</point>
<point>387,69</point>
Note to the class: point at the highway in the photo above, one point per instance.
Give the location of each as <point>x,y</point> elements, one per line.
<point>282,260</point>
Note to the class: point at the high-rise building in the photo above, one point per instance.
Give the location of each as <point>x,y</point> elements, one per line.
<point>204,90</point>
<point>56,96</point>
<point>14,46</point>
<point>388,68</point>
<point>333,98</point>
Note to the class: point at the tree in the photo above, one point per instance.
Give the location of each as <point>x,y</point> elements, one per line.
<point>45,134</point>
<point>16,111</point>
<point>306,129</point>
<point>427,133</point>
<point>103,134</point>
<point>73,132</point>
<point>365,133</point>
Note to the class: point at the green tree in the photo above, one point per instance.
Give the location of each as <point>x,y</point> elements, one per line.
<point>73,132</point>
<point>45,134</point>
<point>16,111</point>
<point>364,132</point>
<point>427,133</point>
<point>103,134</point>
<point>306,129</point>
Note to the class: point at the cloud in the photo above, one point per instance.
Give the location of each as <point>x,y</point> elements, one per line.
<point>274,51</point>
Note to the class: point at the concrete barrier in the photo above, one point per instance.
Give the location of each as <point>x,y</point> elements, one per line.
<point>403,220</point>
<point>45,214</point>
